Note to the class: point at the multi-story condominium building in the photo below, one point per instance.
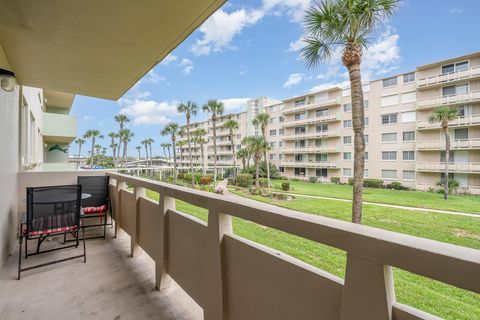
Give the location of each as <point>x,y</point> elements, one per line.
<point>311,135</point>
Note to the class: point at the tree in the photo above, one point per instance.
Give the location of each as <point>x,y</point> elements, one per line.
<point>243,154</point>
<point>172,130</point>
<point>126,135</point>
<point>121,119</point>
<point>150,142</point>
<point>200,137</point>
<point>443,115</point>
<point>190,109</point>
<point>168,145</point>
<point>80,142</point>
<point>232,127</point>
<point>346,24</point>
<point>94,135</point>
<point>180,145</point>
<point>138,149</point>
<point>113,145</point>
<point>257,145</point>
<point>97,149</point>
<point>145,144</point>
<point>214,107</point>
<point>262,120</point>
<point>164,145</point>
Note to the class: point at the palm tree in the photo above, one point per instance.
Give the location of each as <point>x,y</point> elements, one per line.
<point>262,120</point>
<point>190,109</point>
<point>80,142</point>
<point>94,135</point>
<point>150,141</point>
<point>243,154</point>
<point>346,24</point>
<point>114,147</point>
<point>257,145</point>
<point>180,145</point>
<point>232,126</point>
<point>443,115</point>
<point>126,135</point>
<point>138,149</point>
<point>172,130</point>
<point>214,107</point>
<point>168,145</point>
<point>164,145</point>
<point>200,138</point>
<point>98,148</point>
<point>121,119</point>
<point>145,144</point>
<point>113,136</point>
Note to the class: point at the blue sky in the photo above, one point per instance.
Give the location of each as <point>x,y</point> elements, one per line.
<point>251,48</point>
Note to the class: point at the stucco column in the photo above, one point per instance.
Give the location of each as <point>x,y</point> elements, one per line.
<point>162,279</point>
<point>134,248</point>
<point>121,185</point>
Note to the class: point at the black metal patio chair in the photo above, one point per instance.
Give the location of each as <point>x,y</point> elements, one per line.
<point>51,211</point>
<point>98,205</point>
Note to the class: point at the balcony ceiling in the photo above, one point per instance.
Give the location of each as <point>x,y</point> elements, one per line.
<point>94,48</point>
<point>58,99</point>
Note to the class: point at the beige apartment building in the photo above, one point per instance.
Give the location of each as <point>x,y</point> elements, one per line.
<point>311,135</point>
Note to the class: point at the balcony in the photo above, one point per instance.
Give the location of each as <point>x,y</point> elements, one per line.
<point>454,99</point>
<point>323,149</point>
<point>310,164</point>
<point>313,120</point>
<point>467,144</point>
<point>57,127</point>
<point>320,104</point>
<point>219,275</point>
<point>465,121</point>
<point>461,167</point>
<point>312,135</point>
<point>448,78</point>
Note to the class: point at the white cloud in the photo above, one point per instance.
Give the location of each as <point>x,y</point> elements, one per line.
<point>186,65</point>
<point>148,112</point>
<point>381,57</point>
<point>219,30</point>
<point>153,77</point>
<point>234,104</point>
<point>293,80</point>
<point>329,85</point>
<point>169,58</point>
<point>297,45</point>
<point>455,11</point>
<point>294,9</point>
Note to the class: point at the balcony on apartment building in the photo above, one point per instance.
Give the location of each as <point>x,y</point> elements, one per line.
<point>452,99</point>
<point>313,105</point>
<point>312,149</point>
<point>466,144</point>
<point>58,127</point>
<point>467,74</point>
<point>325,117</point>
<point>463,121</point>
<point>456,167</point>
<point>312,135</point>
<point>310,164</point>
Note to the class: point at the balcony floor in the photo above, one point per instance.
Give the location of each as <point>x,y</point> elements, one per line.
<point>111,285</point>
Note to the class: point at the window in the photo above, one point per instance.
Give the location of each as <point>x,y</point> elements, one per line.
<point>461,134</point>
<point>365,104</point>
<point>320,142</point>
<point>365,173</point>
<point>273,144</point>
<point>409,77</point>
<point>281,131</point>
<point>443,158</point>
<point>300,102</point>
<point>390,82</point>
<point>389,174</point>
<point>410,116</point>
<point>322,157</point>
<point>389,155</point>
<point>458,89</point>
<point>273,156</point>
<point>408,97</point>
<point>365,156</point>
<point>454,67</point>
<point>389,118</point>
<point>365,137</point>
<point>300,171</point>
<point>366,121</point>
<point>272,120</point>
<point>321,127</point>
<point>321,112</point>
<point>239,136</point>
<point>347,107</point>
<point>299,157</point>
<point>300,129</point>
<point>300,116</point>
<point>347,123</point>
<point>347,172</point>
<point>273,132</point>
<point>389,100</point>
<point>281,119</point>
<point>321,173</point>
<point>408,175</point>
<point>280,144</point>
<point>409,155</point>
<point>347,156</point>
<point>409,136</point>
<point>347,140</point>
<point>389,137</point>
<point>300,144</point>
<point>280,157</point>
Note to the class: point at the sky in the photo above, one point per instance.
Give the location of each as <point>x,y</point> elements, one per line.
<point>249,49</point>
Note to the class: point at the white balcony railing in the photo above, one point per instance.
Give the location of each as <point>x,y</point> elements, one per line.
<point>311,135</point>
<point>442,79</point>
<point>460,167</point>
<point>314,105</point>
<point>313,120</point>
<point>473,143</point>
<point>454,99</point>
<point>310,164</point>
<point>234,278</point>
<point>470,120</point>
<point>324,149</point>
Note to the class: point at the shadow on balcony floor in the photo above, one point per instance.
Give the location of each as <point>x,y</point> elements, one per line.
<point>111,285</point>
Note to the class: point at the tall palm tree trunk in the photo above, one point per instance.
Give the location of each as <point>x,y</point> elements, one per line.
<point>267,162</point>
<point>204,170</point>
<point>243,163</point>
<point>190,150</point>
<point>214,121</point>
<point>257,170</point>
<point>358,122</point>
<point>447,160</point>
<point>91,155</point>
<point>119,145</point>
<point>234,157</point>
<point>79,151</point>
<point>146,153</point>
<point>174,161</point>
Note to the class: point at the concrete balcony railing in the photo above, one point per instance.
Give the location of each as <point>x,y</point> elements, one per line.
<point>464,121</point>
<point>234,278</point>
<point>312,135</point>
<point>313,120</point>
<point>310,164</point>
<point>319,104</point>
<point>57,127</point>
<point>460,167</point>
<point>324,149</point>
<point>466,144</point>
<point>454,99</point>
<point>452,77</point>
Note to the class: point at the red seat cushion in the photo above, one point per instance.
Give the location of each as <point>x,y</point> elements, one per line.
<point>90,210</point>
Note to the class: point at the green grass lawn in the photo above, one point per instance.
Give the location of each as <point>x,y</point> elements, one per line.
<point>419,292</point>
<point>431,200</point>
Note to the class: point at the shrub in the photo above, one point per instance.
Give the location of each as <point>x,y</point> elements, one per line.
<point>335,180</point>
<point>205,180</point>
<point>373,183</point>
<point>452,185</point>
<point>286,186</point>
<point>263,182</point>
<point>232,181</point>
<point>397,186</point>
<point>188,177</point>
<point>350,181</point>
<point>170,179</point>
<point>244,180</point>
<point>313,179</point>
<point>181,176</point>
<point>263,170</point>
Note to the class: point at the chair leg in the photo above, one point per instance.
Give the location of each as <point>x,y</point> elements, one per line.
<point>20,242</point>
<point>84,250</point>
<point>26,249</point>
<point>105,225</point>
<point>77,238</point>
<point>65,237</point>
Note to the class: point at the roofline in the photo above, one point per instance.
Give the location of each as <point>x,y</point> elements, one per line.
<point>439,62</point>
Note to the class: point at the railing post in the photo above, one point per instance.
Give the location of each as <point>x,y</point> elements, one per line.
<point>368,292</point>
<point>219,224</point>
<point>162,279</point>
<point>134,247</point>
<point>121,185</point>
